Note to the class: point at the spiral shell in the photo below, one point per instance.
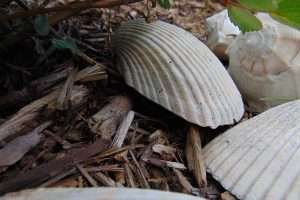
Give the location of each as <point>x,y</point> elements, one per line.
<point>174,69</point>
<point>259,158</point>
<point>102,193</point>
<point>265,64</point>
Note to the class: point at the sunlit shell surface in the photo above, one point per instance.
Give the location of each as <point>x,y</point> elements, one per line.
<point>221,33</point>
<point>265,64</point>
<point>174,69</point>
<point>259,158</point>
<point>96,194</point>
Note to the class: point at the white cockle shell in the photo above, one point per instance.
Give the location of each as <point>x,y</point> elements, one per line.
<point>173,68</point>
<point>259,158</point>
<point>100,193</point>
<point>265,64</point>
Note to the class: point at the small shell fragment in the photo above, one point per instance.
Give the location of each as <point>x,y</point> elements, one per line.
<point>265,64</point>
<point>96,194</point>
<point>259,158</point>
<point>221,33</point>
<point>174,69</point>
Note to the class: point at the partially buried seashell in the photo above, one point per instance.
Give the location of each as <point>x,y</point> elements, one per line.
<point>174,69</point>
<point>265,64</point>
<point>104,193</point>
<point>221,33</point>
<point>259,158</point>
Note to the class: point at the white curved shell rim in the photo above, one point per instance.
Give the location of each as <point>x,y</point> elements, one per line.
<point>174,69</point>
<point>104,193</point>
<point>259,158</point>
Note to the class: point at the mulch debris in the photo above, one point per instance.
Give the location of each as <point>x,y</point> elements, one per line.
<point>68,120</point>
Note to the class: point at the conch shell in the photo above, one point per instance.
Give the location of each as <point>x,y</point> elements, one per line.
<point>173,68</point>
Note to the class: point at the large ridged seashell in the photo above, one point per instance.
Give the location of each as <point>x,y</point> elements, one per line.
<point>104,193</point>
<point>174,69</point>
<point>265,64</point>
<point>259,158</point>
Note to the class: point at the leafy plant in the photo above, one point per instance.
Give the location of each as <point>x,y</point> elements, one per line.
<point>41,25</point>
<point>67,43</point>
<point>165,3</point>
<point>241,12</point>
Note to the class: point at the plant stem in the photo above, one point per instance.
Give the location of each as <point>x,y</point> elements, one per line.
<point>75,6</point>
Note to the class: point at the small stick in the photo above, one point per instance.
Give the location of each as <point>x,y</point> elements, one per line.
<point>86,175</point>
<point>69,7</point>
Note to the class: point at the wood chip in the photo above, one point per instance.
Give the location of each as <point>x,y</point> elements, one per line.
<point>105,180</point>
<point>140,175</point>
<point>58,178</point>
<point>164,163</point>
<point>106,121</point>
<point>194,155</point>
<point>43,172</point>
<point>17,148</point>
<point>227,196</point>
<point>63,100</point>
<point>163,149</point>
<point>25,118</point>
<point>86,175</point>
<point>183,181</point>
<point>129,176</point>
<point>123,130</point>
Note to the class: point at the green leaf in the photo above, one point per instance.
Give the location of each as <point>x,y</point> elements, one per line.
<point>288,12</point>
<point>244,19</point>
<point>260,5</point>
<point>41,25</point>
<point>165,3</point>
<point>67,43</point>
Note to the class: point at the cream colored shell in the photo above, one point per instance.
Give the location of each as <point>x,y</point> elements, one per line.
<point>265,64</point>
<point>174,69</point>
<point>221,33</point>
<point>104,193</point>
<point>259,158</point>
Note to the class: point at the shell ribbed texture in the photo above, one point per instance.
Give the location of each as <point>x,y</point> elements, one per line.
<point>104,193</point>
<point>174,69</point>
<point>259,158</point>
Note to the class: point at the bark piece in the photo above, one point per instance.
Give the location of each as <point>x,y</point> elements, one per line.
<point>25,117</point>
<point>17,148</point>
<point>43,172</point>
<point>35,89</point>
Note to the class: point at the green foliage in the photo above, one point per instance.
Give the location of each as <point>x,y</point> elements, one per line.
<point>41,25</point>
<point>244,19</point>
<point>67,43</point>
<point>288,12</point>
<point>260,5</point>
<point>165,3</point>
<point>285,11</point>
